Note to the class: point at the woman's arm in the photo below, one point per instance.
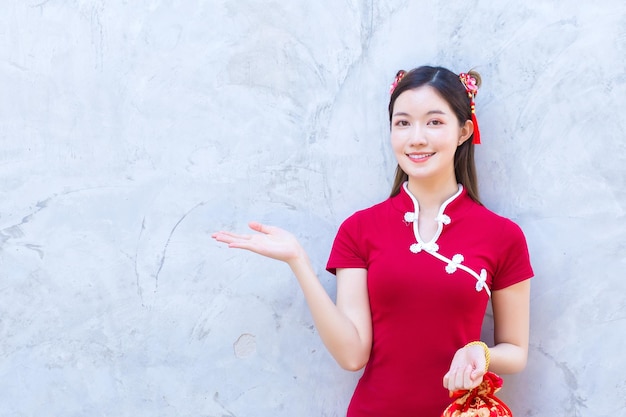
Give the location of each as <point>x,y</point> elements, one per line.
<point>345,327</point>
<point>511,314</point>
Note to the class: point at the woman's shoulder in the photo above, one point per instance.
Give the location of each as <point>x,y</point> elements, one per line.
<point>373,214</point>
<point>373,210</point>
<point>498,223</point>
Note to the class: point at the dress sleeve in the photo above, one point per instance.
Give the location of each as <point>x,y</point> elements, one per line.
<point>347,249</point>
<point>514,260</point>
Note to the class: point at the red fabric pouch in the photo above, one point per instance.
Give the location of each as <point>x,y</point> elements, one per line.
<point>480,401</point>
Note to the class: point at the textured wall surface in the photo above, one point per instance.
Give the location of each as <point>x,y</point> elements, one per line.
<point>130,131</point>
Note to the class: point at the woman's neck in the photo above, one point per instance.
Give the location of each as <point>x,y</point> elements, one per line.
<point>431,195</point>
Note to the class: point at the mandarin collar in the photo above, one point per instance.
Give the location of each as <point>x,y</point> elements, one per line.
<point>403,201</point>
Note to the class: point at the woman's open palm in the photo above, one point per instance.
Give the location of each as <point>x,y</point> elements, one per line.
<point>270,241</point>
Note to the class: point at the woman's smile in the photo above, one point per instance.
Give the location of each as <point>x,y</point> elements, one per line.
<point>420,157</point>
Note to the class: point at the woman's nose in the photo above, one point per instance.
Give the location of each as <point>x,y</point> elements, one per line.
<point>418,136</point>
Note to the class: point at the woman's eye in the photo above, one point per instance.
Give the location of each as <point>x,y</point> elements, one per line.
<point>402,123</point>
<point>435,122</point>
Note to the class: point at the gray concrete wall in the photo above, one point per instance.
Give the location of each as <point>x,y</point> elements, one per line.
<point>130,131</point>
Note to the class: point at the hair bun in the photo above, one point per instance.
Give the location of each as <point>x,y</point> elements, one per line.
<point>476,76</point>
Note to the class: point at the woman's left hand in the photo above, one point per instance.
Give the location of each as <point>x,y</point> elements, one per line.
<point>466,370</point>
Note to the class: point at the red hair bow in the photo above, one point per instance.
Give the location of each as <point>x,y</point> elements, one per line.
<point>397,80</point>
<point>469,83</point>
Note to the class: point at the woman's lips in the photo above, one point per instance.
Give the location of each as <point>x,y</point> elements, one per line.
<point>420,157</point>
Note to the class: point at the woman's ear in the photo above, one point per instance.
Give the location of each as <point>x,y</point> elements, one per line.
<point>466,131</point>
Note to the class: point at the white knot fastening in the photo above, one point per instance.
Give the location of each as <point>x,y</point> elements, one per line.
<point>480,284</point>
<point>428,247</point>
<point>454,263</point>
<point>443,218</point>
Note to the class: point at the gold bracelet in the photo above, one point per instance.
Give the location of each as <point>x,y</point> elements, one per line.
<point>485,348</point>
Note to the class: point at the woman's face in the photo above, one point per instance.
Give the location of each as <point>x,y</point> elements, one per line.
<point>425,134</point>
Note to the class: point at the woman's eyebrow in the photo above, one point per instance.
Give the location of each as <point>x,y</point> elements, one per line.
<point>401,113</point>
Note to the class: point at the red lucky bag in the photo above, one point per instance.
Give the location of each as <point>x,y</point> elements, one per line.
<point>480,401</point>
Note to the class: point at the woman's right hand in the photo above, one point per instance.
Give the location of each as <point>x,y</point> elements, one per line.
<point>345,328</point>
<point>270,241</point>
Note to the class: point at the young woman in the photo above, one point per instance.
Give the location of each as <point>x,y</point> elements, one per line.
<point>415,272</point>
